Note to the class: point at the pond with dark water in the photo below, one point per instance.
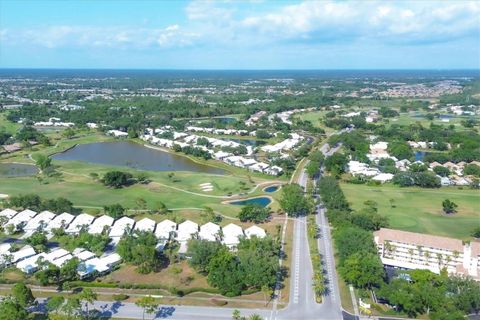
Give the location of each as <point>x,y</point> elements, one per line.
<point>133,155</point>
<point>271,189</point>
<point>10,170</point>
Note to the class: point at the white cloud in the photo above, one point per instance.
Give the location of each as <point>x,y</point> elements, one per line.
<point>229,25</point>
<point>119,36</point>
<point>399,21</point>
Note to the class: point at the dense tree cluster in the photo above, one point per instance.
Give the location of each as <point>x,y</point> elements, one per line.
<point>434,295</point>
<point>34,202</point>
<point>139,249</point>
<point>194,151</point>
<point>293,201</point>
<point>92,242</point>
<point>254,265</point>
<point>424,179</point>
<point>117,179</point>
<point>316,161</point>
<point>254,212</point>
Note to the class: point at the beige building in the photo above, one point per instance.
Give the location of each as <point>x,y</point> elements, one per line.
<point>411,250</point>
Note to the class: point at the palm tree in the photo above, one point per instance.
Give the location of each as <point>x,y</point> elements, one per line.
<point>447,260</point>
<point>439,259</point>
<point>427,257</point>
<point>456,254</point>
<point>410,253</point>
<point>420,250</point>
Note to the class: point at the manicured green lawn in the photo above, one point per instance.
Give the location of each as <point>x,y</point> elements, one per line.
<point>8,126</point>
<point>315,118</point>
<point>420,210</point>
<point>407,119</point>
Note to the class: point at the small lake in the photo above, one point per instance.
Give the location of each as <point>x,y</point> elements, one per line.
<point>271,189</point>
<point>10,170</point>
<point>419,155</point>
<point>261,201</point>
<point>133,155</point>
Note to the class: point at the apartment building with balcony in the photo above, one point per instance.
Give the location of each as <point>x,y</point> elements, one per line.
<point>409,250</point>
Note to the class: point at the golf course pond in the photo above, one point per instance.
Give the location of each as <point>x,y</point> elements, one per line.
<point>10,170</point>
<point>133,155</point>
<point>271,189</point>
<point>261,201</point>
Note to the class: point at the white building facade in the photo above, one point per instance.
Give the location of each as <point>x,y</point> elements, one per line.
<point>409,250</point>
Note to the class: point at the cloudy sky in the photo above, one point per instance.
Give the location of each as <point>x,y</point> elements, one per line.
<point>240,35</point>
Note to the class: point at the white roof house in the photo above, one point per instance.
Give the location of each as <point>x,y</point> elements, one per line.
<point>23,253</point>
<point>255,231</point>
<point>5,248</point>
<point>120,226</point>
<point>146,224</point>
<point>59,262</point>
<point>21,218</point>
<point>231,235</point>
<point>8,213</point>
<point>164,229</point>
<point>55,254</point>
<point>41,220</point>
<point>100,265</point>
<point>186,230</point>
<point>99,224</point>
<point>30,264</point>
<point>83,254</point>
<point>383,177</point>
<point>62,220</point>
<point>209,231</point>
<point>86,268</point>
<point>81,220</point>
<point>111,260</point>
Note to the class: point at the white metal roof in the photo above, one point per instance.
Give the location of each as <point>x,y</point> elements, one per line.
<point>186,229</point>
<point>231,234</point>
<point>84,255</point>
<point>111,259</point>
<point>60,261</point>
<point>146,224</point>
<point>29,264</point>
<point>62,220</point>
<point>22,217</point>
<point>25,252</point>
<point>97,226</point>
<point>209,231</point>
<point>164,229</point>
<point>8,213</point>
<point>5,248</point>
<point>120,226</point>
<point>43,217</point>
<point>81,220</point>
<point>55,254</point>
<point>255,231</point>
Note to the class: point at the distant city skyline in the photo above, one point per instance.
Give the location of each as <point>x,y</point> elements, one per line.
<point>240,35</point>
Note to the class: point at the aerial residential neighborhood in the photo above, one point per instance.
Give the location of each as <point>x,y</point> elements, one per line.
<point>240,160</point>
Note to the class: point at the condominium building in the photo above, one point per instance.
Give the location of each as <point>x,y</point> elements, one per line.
<point>411,250</point>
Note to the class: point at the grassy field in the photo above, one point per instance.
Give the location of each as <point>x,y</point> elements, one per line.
<point>6,125</point>
<point>407,119</point>
<point>420,210</point>
<point>315,118</point>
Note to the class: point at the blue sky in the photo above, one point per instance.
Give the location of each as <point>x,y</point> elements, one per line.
<point>240,35</point>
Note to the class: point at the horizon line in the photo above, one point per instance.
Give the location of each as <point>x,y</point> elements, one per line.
<point>253,69</point>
